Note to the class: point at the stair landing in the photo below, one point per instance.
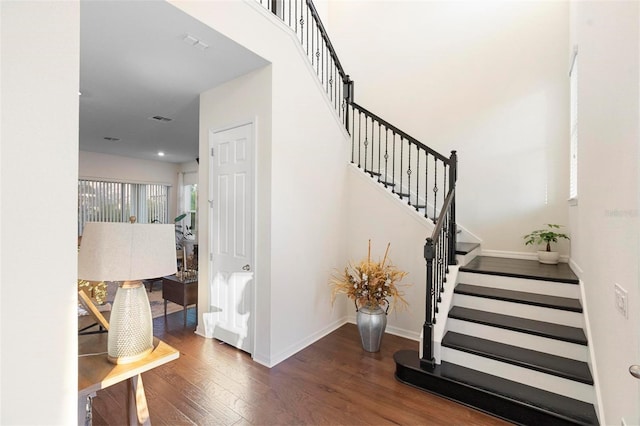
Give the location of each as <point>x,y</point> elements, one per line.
<point>521,268</point>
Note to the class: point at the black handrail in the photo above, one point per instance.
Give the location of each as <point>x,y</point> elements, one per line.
<point>325,36</point>
<point>412,157</point>
<point>400,132</point>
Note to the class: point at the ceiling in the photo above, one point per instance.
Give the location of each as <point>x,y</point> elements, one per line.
<point>135,64</point>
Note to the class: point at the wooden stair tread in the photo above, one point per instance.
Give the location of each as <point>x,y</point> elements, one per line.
<point>509,400</point>
<point>546,363</point>
<point>519,268</point>
<point>534,299</point>
<point>524,325</point>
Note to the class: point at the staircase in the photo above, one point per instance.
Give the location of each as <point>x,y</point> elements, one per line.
<point>514,345</point>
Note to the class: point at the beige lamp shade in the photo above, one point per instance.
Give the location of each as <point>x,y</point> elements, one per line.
<point>126,251</point>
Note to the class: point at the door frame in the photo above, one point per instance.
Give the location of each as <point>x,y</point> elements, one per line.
<point>254,209</point>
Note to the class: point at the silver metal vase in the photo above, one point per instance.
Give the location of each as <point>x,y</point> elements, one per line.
<point>371,324</point>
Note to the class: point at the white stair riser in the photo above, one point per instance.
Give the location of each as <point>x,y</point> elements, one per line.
<point>516,338</point>
<point>547,382</point>
<point>556,316</point>
<point>520,284</point>
<point>464,259</point>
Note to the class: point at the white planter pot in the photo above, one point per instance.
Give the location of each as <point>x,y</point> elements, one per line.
<point>548,257</point>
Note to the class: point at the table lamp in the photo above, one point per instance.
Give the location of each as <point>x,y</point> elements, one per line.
<point>128,253</point>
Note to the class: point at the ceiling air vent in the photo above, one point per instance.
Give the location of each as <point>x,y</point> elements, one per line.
<point>161,118</point>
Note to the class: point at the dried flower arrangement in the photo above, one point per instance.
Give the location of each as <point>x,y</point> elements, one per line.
<point>370,283</point>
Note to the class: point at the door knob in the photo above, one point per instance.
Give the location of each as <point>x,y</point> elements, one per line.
<point>635,371</point>
<point>246,268</point>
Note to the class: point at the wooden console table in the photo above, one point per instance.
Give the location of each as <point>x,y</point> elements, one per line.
<point>95,372</point>
<point>184,293</point>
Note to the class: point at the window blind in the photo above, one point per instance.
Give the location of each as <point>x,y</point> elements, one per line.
<point>102,201</point>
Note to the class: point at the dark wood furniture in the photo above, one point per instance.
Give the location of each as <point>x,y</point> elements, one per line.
<point>182,292</point>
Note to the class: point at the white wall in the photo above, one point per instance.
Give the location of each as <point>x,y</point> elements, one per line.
<point>39,76</point>
<point>605,247</point>
<point>301,237</point>
<point>486,78</point>
<point>376,214</point>
<point>93,165</point>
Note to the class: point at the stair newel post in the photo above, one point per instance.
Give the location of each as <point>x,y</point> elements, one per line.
<point>427,361</point>
<point>453,228</point>
<point>347,91</point>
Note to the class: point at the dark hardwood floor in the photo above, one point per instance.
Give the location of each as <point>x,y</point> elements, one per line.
<point>332,382</point>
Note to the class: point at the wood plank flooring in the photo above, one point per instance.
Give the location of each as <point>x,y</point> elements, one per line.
<point>332,382</point>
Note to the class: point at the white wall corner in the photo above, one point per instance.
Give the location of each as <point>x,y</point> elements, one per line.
<point>277,358</point>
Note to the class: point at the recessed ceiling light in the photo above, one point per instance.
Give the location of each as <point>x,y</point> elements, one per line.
<point>160,154</point>
<point>161,118</point>
<point>110,139</point>
<point>194,42</point>
<point>190,40</point>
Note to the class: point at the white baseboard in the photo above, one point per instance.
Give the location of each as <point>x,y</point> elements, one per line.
<point>518,255</point>
<point>300,345</point>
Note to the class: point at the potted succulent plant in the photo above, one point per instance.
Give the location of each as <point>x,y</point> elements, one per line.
<point>546,236</point>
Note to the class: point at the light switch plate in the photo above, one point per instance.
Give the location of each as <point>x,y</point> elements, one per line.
<point>621,300</point>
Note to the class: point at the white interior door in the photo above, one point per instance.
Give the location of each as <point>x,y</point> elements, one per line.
<point>231,236</point>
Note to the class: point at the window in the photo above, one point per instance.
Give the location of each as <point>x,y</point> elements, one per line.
<point>191,208</point>
<point>573,153</point>
<point>100,201</point>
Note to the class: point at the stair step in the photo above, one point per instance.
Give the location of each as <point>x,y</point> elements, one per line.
<point>539,361</point>
<point>372,173</point>
<point>465,248</point>
<point>535,299</point>
<point>386,184</point>
<point>520,268</point>
<point>523,325</point>
<point>509,400</point>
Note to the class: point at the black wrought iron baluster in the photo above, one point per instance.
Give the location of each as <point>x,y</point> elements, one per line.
<point>379,151</point>
<point>401,190</point>
<point>301,24</point>
<point>353,124</point>
<point>296,14</point>
<point>312,51</point>
<point>373,145</point>
<point>307,49</point>
<point>409,171</point>
<point>366,141</point>
<point>318,55</point>
<point>417,204</point>
<point>289,13</point>
<point>334,86</point>
<point>386,155</point>
<point>426,186</point>
<point>447,241</point>
<point>435,189</point>
<point>393,162</point>
<point>359,137</point>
